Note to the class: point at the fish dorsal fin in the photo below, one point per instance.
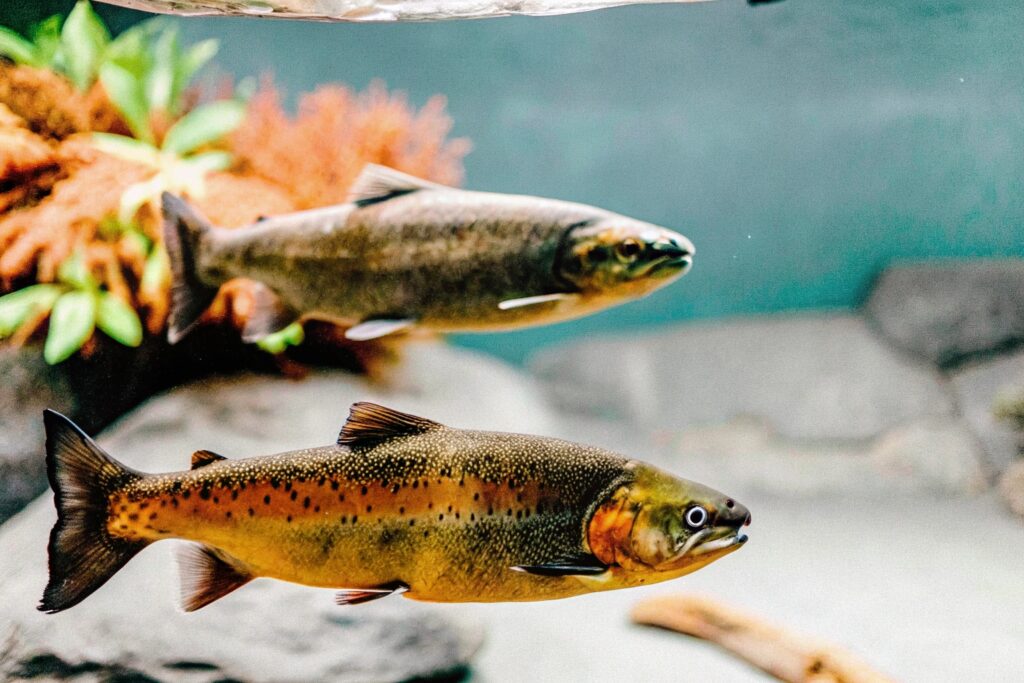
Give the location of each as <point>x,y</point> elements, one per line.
<point>379,183</point>
<point>204,458</point>
<point>207,574</point>
<point>369,424</point>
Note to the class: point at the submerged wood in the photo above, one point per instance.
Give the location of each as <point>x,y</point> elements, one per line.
<point>780,653</point>
<point>379,10</point>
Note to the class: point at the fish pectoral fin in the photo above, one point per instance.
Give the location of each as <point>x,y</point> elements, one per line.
<point>357,596</point>
<point>207,574</point>
<point>269,314</point>
<point>534,300</point>
<point>374,329</point>
<point>576,565</point>
<point>379,183</point>
<point>204,458</point>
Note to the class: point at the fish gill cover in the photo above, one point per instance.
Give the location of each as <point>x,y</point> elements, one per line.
<point>93,129</point>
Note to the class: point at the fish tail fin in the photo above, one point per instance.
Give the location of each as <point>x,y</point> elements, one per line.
<point>184,230</point>
<point>83,553</point>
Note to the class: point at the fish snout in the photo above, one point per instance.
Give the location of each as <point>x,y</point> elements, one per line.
<point>732,514</point>
<point>673,249</point>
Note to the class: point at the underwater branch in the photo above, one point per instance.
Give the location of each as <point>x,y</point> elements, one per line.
<point>780,653</point>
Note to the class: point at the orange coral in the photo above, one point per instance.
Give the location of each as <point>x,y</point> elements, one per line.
<point>316,155</point>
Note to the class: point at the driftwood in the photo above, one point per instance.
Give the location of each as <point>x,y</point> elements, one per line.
<point>785,655</point>
<point>380,10</point>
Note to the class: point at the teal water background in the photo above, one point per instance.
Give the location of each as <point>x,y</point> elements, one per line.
<point>802,146</point>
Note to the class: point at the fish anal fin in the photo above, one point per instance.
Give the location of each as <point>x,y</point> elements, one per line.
<point>576,565</point>
<point>534,300</point>
<point>204,458</point>
<point>379,183</point>
<point>369,424</point>
<point>357,596</point>
<point>269,314</point>
<point>207,575</point>
<point>375,329</point>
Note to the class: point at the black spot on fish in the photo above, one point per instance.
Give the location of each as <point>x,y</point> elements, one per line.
<point>320,482</point>
<point>305,502</point>
<point>401,510</point>
<point>143,506</point>
<point>204,493</point>
<point>251,512</point>
<point>266,500</point>
<point>440,517</point>
<point>415,483</point>
<point>462,482</point>
<point>316,508</point>
<point>124,527</point>
<point>363,490</point>
<point>476,496</point>
<point>344,519</point>
<point>341,497</point>
<point>456,515</point>
<point>228,514</point>
<point>509,513</point>
<point>216,500</point>
<point>519,498</point>
<point>133,517</point>
<point>412,522</point>
<point>472,517</point>
<point>527,513</point>
<point>425,534</point>
<point>334,485</point>
<point>295,494</point>
<point>387,536</point>
<point>174,502</point>
<point>234,495</point>
<point>163,503</point>
<point>355,518</point>
<point>490,511</point>
<point>289,519</point>
<point>519,514</point>
<point>287,486</point>
<point>274,483</point>
<point>430,505</point>
<point>152,516</point>
<point>185,494</point>
<point>175,487</point>
<point>449,508</point>
<point>394,489</point>
<point>426,483</point>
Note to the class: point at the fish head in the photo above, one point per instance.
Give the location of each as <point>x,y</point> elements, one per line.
<point>618,255</point>
<point>661,525</point>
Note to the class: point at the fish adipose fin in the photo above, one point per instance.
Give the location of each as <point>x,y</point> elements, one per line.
<point>204,458</point>
<point>534,300</point>
<point>183,231</point>
<point>579,565</point>
<point>369,424</point>
<point>379,183</point>
<point>207,575</point>
<point>269,314</point>
<point>357,596</point>
<point>83,554</point>
<point>374,329</point>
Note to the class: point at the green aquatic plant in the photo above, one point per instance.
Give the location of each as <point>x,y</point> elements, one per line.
<point>74,47</point>
<point>76,306</point>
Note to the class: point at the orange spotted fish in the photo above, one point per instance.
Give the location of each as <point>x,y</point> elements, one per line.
<point>400,503</point>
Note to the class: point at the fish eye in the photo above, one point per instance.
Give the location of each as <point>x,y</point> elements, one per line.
<point>696,517</point>
<point>628,249</point>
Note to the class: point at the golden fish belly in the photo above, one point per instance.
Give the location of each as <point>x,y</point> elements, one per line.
<point>446,538</point>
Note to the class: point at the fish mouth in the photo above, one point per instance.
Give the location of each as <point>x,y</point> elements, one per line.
<point>709,544</point>
<point>670,257</point>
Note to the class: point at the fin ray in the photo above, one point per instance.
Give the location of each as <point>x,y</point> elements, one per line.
<point>207,575</point>
<point>369,424</point>
<point>378,183</point>
<point>83,555</point>
<point>269,314</point>
<point>534,300</point>
<point>578,565</point>
<point>183,231</point>
<point>357,596</point>
<point>204,458</point>
<point>374,329</point>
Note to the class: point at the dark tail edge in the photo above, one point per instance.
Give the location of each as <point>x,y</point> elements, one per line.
<point>184,229</point>
<point>83,554</point>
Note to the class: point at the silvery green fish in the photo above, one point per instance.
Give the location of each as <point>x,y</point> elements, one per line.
<point>404,253</point>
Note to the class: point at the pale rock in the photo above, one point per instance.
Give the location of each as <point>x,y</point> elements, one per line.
<point>978,386</point>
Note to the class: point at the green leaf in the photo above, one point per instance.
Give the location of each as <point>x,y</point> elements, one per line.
<point>130,50</point>
<point>156,271</point>
<point>209,161</point>
<point>276,343</point>
<point>83,40</point>
<point>18,49</point>
<point>16,307</point>
<point>73,272</point>
<point>125,90</point>
<point>127,148</point>
<point>160,79</point>
<point>71,324</point>
<point>194,59</point>
<point>46,36</point>
<point>204,125</point>
<point>118,320</point>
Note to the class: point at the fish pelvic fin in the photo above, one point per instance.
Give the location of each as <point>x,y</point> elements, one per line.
<point>269,314</point>
<point>377,184</point>
<point>369,424</point>
<point>83,554</point>
<point>375,329</point>
<point>207,574</point>
<point>357,596</point>
<point>184,230</point>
